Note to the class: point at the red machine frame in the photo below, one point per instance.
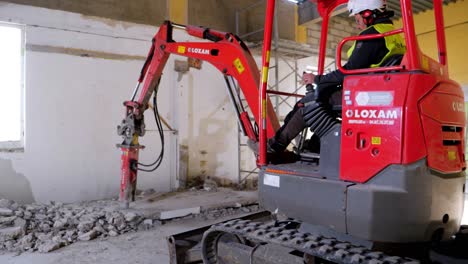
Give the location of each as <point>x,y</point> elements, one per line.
<point>234,59</point>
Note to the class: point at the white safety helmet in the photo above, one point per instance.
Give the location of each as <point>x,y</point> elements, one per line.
<point>357,6</point>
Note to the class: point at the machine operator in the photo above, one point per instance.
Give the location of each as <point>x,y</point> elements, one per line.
<point>372,17</point>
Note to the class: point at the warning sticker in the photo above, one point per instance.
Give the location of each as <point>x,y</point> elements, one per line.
<point>238,64</point>
<point>452,155</point>
<point>181,49</point>
<point>271,180</point>
<point>376,140</point>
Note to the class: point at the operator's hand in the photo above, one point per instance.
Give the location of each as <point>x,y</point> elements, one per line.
<point>308,81</point>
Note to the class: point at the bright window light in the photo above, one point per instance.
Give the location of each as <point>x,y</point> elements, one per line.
<point>11,86</point>
<point>297,1</point>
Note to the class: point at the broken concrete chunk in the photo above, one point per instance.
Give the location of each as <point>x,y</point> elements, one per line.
<point>7,221</point>
<point>4,203</point>
<point>113,233</point>
<point>44,227</point>
<point>21,223</point>
<point>129,217</point>
<point>27,215</point>
<point>10,233</point>
<point>98,228</point>
<point>44,237</point>
<point>9,245</point>
<point>26,242</point>
<point>146,224</point>
<point>210,185</point>
<point>60,224</point>
<point>50,246</point>
<point>19,213</point>
<point>40,217</point>
<point>6,212</point>
<point>88,236</point>
<point>85,226</point>
<point>179,213</point>
<point>245,210</point>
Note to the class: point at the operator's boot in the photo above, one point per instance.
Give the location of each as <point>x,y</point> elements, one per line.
<point>292,126</point>
<point>313,144</point>
<point>254,147</point>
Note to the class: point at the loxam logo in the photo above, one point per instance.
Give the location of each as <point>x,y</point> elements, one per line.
<point>365,113</point>
<point>199,51</point>
<point>458,107</point>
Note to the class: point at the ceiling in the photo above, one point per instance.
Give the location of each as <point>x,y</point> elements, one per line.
<point>308,13</point>
<point>418,5</point>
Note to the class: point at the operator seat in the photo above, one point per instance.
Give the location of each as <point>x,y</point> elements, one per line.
<point>393,60</point>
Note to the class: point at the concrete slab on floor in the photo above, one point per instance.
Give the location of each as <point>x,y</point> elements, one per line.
<point>180,204</point>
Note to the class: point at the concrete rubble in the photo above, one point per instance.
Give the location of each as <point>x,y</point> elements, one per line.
<point>48,227</point>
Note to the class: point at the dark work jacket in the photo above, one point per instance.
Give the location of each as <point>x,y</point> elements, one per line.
<point>365,53</point>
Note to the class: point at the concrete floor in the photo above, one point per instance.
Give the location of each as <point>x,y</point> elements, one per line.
<point>139,248</point>
<point>142,247</point>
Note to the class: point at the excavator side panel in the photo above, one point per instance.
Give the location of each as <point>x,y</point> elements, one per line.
<point>372,124</point>
<point>406,204</point>
<point>443,122</point>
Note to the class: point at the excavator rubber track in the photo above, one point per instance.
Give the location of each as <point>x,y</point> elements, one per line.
<point>329,249</point>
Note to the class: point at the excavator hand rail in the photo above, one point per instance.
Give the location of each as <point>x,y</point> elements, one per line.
<point>367,37</point>
<point>285,94</point>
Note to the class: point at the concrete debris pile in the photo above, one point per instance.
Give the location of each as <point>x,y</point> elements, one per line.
<point>47,227</point>
<point>214,214</point>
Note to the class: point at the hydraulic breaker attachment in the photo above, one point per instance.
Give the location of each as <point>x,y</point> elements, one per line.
<point>130,129</point>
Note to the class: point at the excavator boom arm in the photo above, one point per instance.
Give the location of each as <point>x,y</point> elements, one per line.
<point>228,54</point>
<point>225,51</point>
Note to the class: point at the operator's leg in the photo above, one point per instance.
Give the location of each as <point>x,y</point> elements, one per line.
<point>293,125</point>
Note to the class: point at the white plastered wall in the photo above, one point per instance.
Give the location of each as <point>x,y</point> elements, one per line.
<point>73,104</point>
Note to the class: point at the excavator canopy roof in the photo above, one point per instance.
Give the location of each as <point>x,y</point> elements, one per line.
<point>325,7</point>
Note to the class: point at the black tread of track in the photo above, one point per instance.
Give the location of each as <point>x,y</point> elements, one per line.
<point>326,248</point>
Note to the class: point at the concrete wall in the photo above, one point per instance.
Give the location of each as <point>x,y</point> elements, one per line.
<point>456,27</point>
<point>217,14</point>
<point>151,12</point>
<point>220,14</point>
<point>79,70</point>
<point>209,142</point>
<point>339,28</point>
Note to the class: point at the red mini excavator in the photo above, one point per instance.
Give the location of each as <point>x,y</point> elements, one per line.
<point>387,185</point>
